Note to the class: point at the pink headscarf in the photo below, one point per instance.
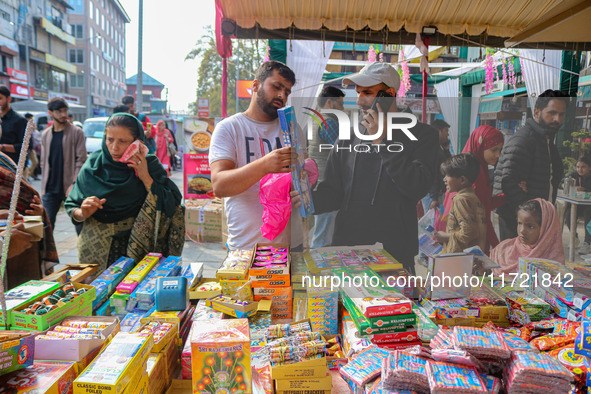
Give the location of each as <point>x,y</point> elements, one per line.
<point>549,245</point>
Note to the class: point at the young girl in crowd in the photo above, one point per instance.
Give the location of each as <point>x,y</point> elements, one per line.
<point>582,177</point>
<point>485,143</point>
<point>539,236</point>
<point>466,226</point>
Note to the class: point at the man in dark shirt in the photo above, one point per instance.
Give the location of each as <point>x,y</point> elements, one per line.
<point>63,152</point>
<point>13,127</point>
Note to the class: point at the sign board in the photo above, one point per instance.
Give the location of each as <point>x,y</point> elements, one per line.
<point>20,91</point>
<point>197,176</point>
<point>17,75</point>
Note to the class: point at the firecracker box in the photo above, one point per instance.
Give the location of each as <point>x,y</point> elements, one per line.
<point>113,369</point>
<point>160,343</point>
<point>107,281</point>
<point>24,293</point>
<point>236,309</point>
<point>299,385</point>
<point>171,360</point>
<point>255,271</point>
<point>237,288</point>
<point>81,305</point>
<point>334,362</point>
<point>138,273</point>
<point>270,281</point>
<point>75,349</point>
<point>168,317</point>
<point>198,294</point>
<point>309,369</point>
<point>17,350</point>
<point>50,377</point>
<point>156,370</point>
<point>203,220</point>
<point>220,354</point>
<point>64,275</point>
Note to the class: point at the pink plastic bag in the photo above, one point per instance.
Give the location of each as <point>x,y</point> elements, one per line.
<point>312,169</point>
<point>274,195</point>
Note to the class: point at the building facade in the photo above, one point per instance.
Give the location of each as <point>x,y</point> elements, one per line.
<point>152,100</point>
<point>99,54</point>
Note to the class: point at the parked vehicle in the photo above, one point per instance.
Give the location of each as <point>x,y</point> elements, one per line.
<point>94,129</point>
<point>40,118</point>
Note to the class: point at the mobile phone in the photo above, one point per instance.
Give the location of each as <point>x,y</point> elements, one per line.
<point>384,99</point>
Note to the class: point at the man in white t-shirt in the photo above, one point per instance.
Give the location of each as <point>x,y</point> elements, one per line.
<point>247,146</point>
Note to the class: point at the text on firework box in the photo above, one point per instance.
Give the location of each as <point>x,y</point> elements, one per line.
<point>256,270</point>
<point>138,273</point>
<point>80,305</point>
<point>238,309</point>
<point>113,369</point>
<point>16,350</point>
<point>49,377</point>
<point>75,349</point>
<point>203,220</point>
<point>315,368</point>
<point>286,385</point>
<point>22,294</point>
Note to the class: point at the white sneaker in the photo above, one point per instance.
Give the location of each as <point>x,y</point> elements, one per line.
<point>585,249</point>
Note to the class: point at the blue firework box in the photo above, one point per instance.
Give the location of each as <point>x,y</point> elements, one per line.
<point>452,377</point>
<point>107,282</point>
<point>18,351</point>
<point>142,297</point>
<point>299,178</point>
<point>365,366</point>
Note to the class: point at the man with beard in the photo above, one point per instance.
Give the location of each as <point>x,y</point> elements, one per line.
<point>63,151</point>
<point>13,127</point>
<point>530,166</point>
<point>247,146</point>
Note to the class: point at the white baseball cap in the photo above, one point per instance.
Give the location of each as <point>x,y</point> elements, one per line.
<point>374,74</point>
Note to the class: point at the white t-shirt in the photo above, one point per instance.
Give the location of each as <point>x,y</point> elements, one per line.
<point>243,140</point>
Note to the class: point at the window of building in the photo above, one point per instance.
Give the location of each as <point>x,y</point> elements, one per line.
<point>78,31</point>
<point>5,15</point>
<point>76,81</point>
<point>90,8</point>
<point>76,56</point>
<point>77,5</point>
<point>58,81</point>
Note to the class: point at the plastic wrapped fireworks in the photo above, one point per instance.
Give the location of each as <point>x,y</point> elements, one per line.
<point>536,373</point>
<point>404,371</point>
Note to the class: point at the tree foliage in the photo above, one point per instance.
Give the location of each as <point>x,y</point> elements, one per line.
<point>245,53</point>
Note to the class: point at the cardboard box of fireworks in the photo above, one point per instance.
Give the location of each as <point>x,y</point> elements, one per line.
<point>281,297</point>
<point>180,386</point>
<point>237,308</point>
<point>72,273</point>
<point>203,220</point>
<point>23,294</point>
<point>206,288</point>
<point>117,365</point>
<point>70,299</point>
<point>50,377</point>
<point>48,348</point>
<point>17,350</point>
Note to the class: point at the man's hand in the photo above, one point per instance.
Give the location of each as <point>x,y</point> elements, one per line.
<point>20,240</point>
<point>279,160</point>
<point>434,204</point>
<point>4,215</point>
<point>370,122</point>
<point>296,199</point>
<point>35,209</point>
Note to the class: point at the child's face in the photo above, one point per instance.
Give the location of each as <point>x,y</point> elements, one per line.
<point>491,156</point>
<point>454,184</point>
<point>528,228</point>
<point>583,169</point>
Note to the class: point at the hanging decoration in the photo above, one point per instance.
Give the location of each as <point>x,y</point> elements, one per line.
<point>489,77</point>
<point>371,54</point>
<point>267,54</point>
<point>504,67</point>
<point>405,80</point>
<point>512,78</point>
<point>382,57</point>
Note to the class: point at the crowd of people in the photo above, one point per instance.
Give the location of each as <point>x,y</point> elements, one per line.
<point>120,198</point>
<point>369,195</point>
<point>123,203</point>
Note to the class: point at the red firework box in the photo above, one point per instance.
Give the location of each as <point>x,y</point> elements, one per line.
<point>378,301</point>
<point>395,337</point>
<point>51,377</point>
<point>270,263</point>
<point>280,296</point>
<point>220,356</point>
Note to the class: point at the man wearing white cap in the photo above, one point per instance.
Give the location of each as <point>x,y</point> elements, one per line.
<point>377,184</point>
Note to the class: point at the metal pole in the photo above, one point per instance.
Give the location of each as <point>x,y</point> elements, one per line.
<point>140,83</point>
<point>28,65</point>
<point>425,76</point>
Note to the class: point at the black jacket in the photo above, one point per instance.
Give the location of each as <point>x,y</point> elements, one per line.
<point>376,193</point>
<point>13,133</point>
<point>531,156</point>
